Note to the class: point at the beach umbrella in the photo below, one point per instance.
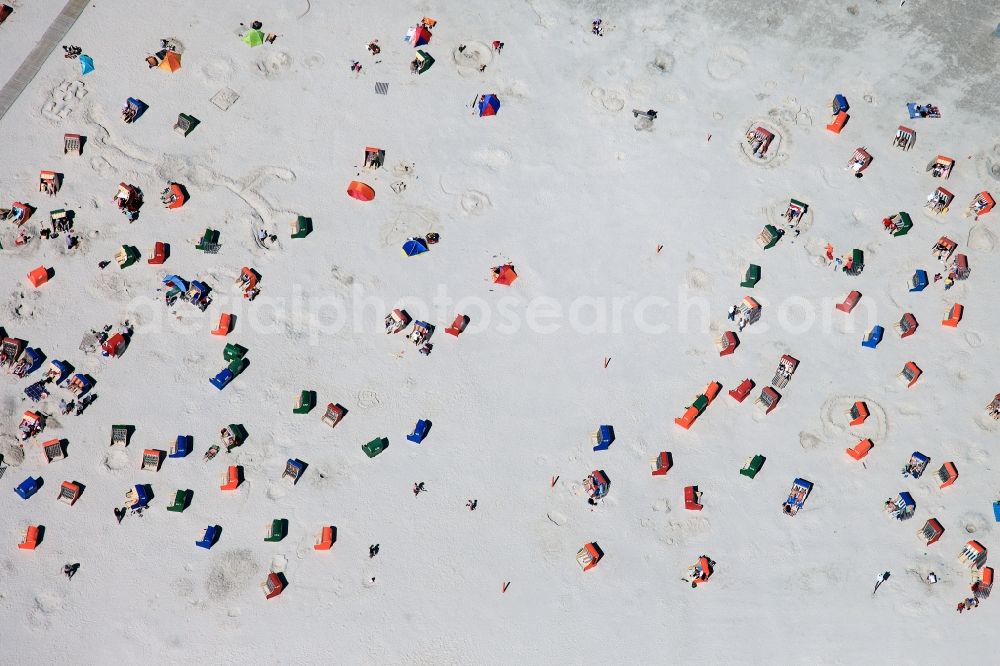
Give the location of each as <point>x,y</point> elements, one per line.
<point>489,104</point>
<point>86,64</point>
<point>414,246</point>
<point>253,38</point>
<point>171,62</point>
<point>360,191</point>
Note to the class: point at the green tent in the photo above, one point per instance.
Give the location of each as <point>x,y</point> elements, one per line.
<point>769,237</point>
<point>278,530</point>
<point>185,124</point>
<point>253,38</point>
<point>752,466</point>
<point>857,262</point>
<point>306,402</point>
<point>375,447</point>
<point>233,351</point>
<point>181,501</point>
<point>903,224</point>
<point>302,227</point>
<point>239,434</point>
<point>423,61</point>
<point>752,277</point>
<point>127,256</point>
<point>209,242</point>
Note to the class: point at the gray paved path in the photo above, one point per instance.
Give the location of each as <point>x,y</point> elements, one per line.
<point>43,49</point>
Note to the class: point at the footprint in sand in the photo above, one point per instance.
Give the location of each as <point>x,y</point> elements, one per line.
<point>828,176</point>
<point>475,202</point>
<point>102,167</point>
<point>217,70</point>
<point>407,222</point>
<point>276,491</point>
<point>313,60</point>
<point>989,165</point>
<point>63,99</point>
<point>678,532</point>
<point>493,157</point>
<point>808,441</point>
<point>960,361</point>
<point>471,59</point>
<point>696,278</point>
<point>727,62</point>
<point>116,460</point>
<point>367,398</point>
<point>973,339</point>
<point>46,604</point>
<point>612,102</point>
<point>973,522</point>
<point>274,64</point>
<point>341,277</point>
<point>609,100</point>
<point>978,456</point>
<point>183,587</point>
<point>982,239</point>
<point>662,63</point>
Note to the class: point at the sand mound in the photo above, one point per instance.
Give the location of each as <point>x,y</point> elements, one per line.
<point>11,451</point>
<point>234,572</point>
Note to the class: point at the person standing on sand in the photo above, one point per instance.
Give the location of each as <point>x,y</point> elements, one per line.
<point>372,550</point>
<point>879,579</point>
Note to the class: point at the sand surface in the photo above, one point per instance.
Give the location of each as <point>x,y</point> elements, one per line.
<point>562,184</point>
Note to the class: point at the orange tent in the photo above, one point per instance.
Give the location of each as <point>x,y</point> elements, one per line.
<point>947,474</point>
<point>504,275</point>
<point>248,279</point>
<point>838,122</point>
<point>360,191</point>
<point>38,276</point>
<point>171,62</point>
<point>858,413</point>
<point>31,538</point>
<point>231,479</point>
<point>225,324</point>
<point>702,571</point>
<point>588,556</point>
<point>326,538</point>
<point>861,449</point>
<point>174,196</point>
<point>954,315</point>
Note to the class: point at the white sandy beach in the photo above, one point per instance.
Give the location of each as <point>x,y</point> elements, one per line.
<point>561,184</point>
